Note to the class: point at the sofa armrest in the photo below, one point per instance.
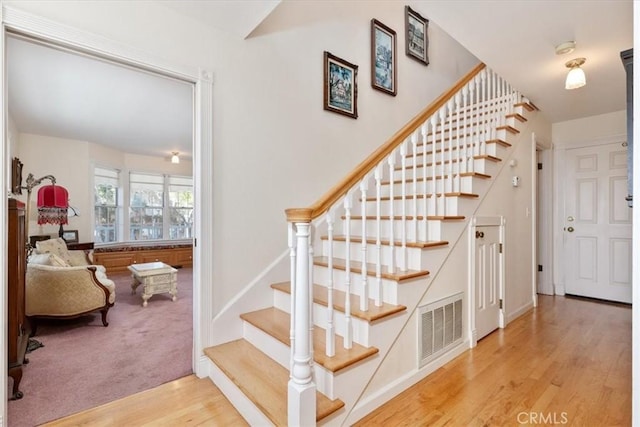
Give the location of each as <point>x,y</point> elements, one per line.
<point>66,291</point>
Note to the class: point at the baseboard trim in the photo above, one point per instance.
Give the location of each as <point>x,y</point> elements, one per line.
<point>369,404</point>
<point>519,312</point>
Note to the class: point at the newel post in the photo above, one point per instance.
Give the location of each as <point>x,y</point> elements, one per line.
<point>302,389</point>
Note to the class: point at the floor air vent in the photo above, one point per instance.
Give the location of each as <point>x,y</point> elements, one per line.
<point>440,326</point>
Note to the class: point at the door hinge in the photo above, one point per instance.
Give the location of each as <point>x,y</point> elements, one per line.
<point>500,303</point>
<point>500,247</point>
<point>195,242</point>
<point>539,166</point>
<point>539,267</point>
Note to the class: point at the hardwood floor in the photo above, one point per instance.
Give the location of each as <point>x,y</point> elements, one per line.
<point>568,362</point>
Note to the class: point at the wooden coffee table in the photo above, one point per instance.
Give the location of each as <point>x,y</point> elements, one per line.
<point>155,278</point>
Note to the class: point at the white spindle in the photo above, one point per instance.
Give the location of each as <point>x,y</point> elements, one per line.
<point>456,186</point>
<point>483,126</point>
<point>392,256</point>
<point>442,115</point>
<point>449,188</point>
<point>378,178</point>
<point>330,332</point>
<point>474,116</point>
<point>364,296</point>
<point>425,198</point>
<point>434,186</point>
<point>467,129</point>
<point>309,312</point>
<point>403,207</point>
<point>414,222</point>
<point>348,335</point>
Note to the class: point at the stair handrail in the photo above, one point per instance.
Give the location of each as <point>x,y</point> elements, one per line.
<point>337,191</point>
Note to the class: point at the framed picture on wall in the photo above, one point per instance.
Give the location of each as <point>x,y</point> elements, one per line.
<point>416,40</point>
<point>16,176</point>
<point>70,236</point>
<point>340,86</point>
<point>383,58</point>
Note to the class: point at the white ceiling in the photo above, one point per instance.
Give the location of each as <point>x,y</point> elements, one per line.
<point>61,94</point>
<point>66,95</point>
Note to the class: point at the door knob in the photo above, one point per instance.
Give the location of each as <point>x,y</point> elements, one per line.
<point>479,234</point>
<point>570,229</point>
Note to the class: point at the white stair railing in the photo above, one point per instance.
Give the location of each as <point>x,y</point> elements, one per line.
<point>442,144</point>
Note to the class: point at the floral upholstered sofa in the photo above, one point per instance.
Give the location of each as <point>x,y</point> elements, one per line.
<point>63,284</point>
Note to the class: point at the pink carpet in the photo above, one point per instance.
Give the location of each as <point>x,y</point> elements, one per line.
<point>83,364</point>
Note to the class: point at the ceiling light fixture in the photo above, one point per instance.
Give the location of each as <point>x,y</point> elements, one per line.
<point>576,77</point>
<point>174,158</point>
<point>565,47</point>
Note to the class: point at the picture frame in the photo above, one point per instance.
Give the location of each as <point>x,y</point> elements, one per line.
<point>383,58</point>
<point>70,236</point>
<point>416,37</point>
<point>16,176</point>
<point>340,86</point>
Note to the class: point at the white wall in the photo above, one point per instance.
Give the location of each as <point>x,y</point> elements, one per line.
<point>594,130</point>
<point>274,146</point>
<point>71,163</point>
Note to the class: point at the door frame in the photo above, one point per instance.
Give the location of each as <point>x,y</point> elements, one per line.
<point>559,213</point>
<point>15,20</point>
<point>543,211</point>
<point>485,221</point>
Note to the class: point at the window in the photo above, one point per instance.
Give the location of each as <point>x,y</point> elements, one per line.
<point>106,197</point>
<point>146,205</point>
<point>180,207</point>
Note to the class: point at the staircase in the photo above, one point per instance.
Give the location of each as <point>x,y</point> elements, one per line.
<point>363,257</point>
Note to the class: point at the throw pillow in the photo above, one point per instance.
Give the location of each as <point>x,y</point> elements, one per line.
<point>41,259</point>
<point>55,246</point>
<point>56,261</point>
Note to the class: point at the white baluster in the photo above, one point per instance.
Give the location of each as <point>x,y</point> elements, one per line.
<point>378,178</point>
<point>348,335</point>
<point>450,154</point>
<point>301,388</point>
<point>310,299</point>
<point>414,224</point>
<point>483,126</point>
<point>474,127</point>
<point>392,256</point>
<point>364,296</point>
<point>467,130</point>
<point>330,332</point>
<point>403,207</point>
<point>425,198</point>
<point>442,115</point>
<point>456,187</point>
<point>434,186</point>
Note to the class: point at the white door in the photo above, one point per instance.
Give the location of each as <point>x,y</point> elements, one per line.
<point>597,226</point>
<point>487,279</point>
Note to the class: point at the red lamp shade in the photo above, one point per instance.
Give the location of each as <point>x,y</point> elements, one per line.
<point>53,202</point>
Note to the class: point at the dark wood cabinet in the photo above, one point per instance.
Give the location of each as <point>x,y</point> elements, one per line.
<point>18,328</point>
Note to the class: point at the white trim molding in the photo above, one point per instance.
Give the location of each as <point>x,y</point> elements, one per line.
<point>50,32</point>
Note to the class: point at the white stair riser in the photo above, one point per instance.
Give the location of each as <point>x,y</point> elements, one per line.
<point>454,205</point>
<point>360,328</point>
<point>480,165</point>
<point>464,185</point>
<point>433,229</point>
<point>475,147</point>
<point>414,259</point>
<point>389,287</point>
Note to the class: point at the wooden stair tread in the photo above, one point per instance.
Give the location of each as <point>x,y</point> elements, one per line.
<point>527,106</point>
<point>439,162</point>
<point>277,324</point>
<point>386,242</point>
<point>517,116</point>
<point>508,128</point>
<point>421,196</point>
<point>430,178</point>
<point>439,150</point>
<point>321,296</point>
<point>410,217</point>
<point>356,267</point>
<point>262,380</point>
